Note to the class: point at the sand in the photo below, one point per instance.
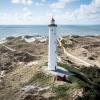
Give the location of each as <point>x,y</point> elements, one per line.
<point>86,48</point>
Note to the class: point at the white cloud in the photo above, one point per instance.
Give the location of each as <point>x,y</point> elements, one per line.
<point>60,3</point>
<point>24,17</point>
<point>25,2</point>
<point>29,2</point>
<point>43,0</point>
<point>39,3</point>
<point>97,3</point>
<point>85,14</point>
<point>15,1</point>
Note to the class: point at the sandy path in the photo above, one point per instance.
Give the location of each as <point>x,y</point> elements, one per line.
<point>9,48</point>
<point>75,59</point>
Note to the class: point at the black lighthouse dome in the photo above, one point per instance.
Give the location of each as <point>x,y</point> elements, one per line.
<point>52,23</point>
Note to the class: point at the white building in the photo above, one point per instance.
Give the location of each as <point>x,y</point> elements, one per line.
<point>52,58</point>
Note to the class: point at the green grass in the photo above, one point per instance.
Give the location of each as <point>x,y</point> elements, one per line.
<point>15,41</point>
<point>61,92</point>
<point>89,81</point>
<point>69,68</point>
<point>40,78</point>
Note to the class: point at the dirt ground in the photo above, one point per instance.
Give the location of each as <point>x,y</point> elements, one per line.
<point>25,66</point>
<point>84,47</point>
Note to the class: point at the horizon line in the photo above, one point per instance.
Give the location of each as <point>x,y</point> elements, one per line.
<point>47,24</point>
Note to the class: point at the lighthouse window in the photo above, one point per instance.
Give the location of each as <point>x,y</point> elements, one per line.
<point>51,29</point>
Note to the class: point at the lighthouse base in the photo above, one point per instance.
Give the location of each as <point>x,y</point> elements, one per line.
<point>59,71</point>
<point>52,68</point>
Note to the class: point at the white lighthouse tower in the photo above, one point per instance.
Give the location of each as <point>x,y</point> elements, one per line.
<point>52,58</point>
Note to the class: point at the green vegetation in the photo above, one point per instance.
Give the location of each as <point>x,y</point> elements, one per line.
<point>91,92</point>
<point>70,68</point>
<point>10,38</point>
<point>75,36</point>
<point>61,92</point>
<point>84,79</point>
<point>40,78</point>
<point>27,36</point>
<point>15,40</point>
<point>63,42</point>
<point>87,78</point>
<point>93,73</point>
<point>17,43</point>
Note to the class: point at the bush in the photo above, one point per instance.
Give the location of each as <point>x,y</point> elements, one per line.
<point>61,92</point>
<point>10,38</point>
<point>75,36</point>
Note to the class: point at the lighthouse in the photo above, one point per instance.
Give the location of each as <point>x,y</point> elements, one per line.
<point>52,52</point>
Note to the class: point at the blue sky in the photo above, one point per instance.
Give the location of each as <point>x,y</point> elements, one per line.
<point>33,12</point>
